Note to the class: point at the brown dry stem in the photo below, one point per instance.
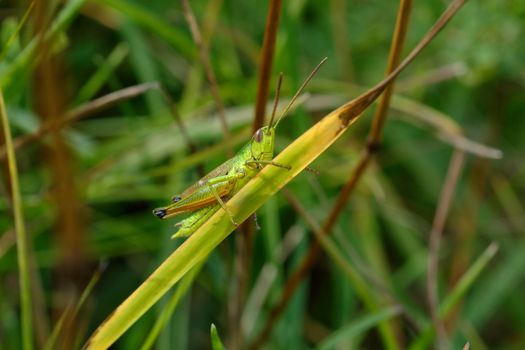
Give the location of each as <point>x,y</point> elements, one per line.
<point>361,103</point>
<point>205,61</point>
<point>444,204</point>
<point>266,60</point>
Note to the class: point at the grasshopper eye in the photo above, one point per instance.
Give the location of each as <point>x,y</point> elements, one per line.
<point>258,135</point>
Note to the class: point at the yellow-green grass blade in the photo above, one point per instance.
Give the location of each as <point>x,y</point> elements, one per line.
<point>297,155</point>
<point>166,313</point>
<point>21,237</point>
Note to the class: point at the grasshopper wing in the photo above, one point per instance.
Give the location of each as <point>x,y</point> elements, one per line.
<point>197,195</point>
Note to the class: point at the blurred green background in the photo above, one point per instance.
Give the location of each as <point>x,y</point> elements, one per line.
<point>89,186</point>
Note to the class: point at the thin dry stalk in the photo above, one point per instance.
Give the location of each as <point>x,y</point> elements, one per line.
<point>396,48</point>
<point>368,274</point>
<point>244,246</point>
<point>434,76</point>
<point>91,107</point>
<point>480,174</point>
<point>445,202</point>
<point>308,261</point>
<point>205,60</point>
<point>463,241</point>
<point>374,138</point>
<point>178,120</point>
<point>443,128</point>
<point>80,112</point>
<point>266,60</point>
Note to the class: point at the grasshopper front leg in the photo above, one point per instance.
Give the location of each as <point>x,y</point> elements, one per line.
<point>230,179</point>
<point>189,225</point>
<point>250,162</point>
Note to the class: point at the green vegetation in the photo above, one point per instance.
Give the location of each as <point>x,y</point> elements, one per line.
<point>406,235</point>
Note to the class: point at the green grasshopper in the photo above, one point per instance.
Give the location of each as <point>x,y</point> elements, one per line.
<point>207,195</point>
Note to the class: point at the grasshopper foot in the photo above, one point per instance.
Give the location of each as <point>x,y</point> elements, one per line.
<point>256,222</point>
<point>312,170</point>
<point>282,166</point>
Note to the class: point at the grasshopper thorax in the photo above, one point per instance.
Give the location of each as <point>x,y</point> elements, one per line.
<point>262,145</point>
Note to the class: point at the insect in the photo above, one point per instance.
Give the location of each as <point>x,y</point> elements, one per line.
<point>208,195</point>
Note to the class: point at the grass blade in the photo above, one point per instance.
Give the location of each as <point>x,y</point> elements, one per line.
<point>358,327</point>
<point>154,24</point>
<point>15,34</point>
<point>20,230</point>
<point>216,342</point>
<point>184,286</point>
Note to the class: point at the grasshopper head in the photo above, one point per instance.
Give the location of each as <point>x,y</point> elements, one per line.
<point>262,143</point>
<point>263,140</point>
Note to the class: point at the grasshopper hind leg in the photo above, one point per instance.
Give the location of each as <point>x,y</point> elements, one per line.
<point>194,221</point>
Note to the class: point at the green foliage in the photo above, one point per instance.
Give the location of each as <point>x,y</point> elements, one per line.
<point>130,157</point>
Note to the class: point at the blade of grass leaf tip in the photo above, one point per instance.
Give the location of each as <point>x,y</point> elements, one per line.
<point>216,343</point>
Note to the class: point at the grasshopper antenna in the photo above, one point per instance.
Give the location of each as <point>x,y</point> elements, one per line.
<point>276,98</point>
<point>294,98</point>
